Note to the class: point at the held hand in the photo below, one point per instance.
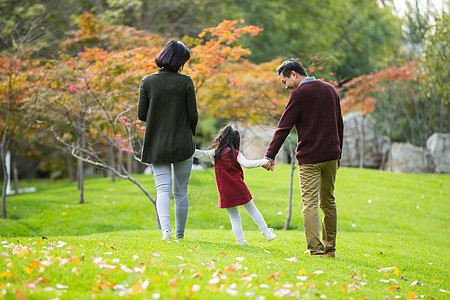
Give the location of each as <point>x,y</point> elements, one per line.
<point>339,163</point>
<point>269,166</point>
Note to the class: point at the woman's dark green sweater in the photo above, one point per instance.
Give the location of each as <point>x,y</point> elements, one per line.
<point>168,105</point>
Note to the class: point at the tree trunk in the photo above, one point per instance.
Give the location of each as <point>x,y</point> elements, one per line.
<point>289,214</point>
<point>80,173</point>
<point>111,163</point>
<point>130,161</point>
<point>5,184</point>
<point>15,173</point>
<point>80,167</point>
<point>70,171</point>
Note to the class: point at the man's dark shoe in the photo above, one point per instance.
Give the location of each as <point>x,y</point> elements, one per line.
<point>330,254</point>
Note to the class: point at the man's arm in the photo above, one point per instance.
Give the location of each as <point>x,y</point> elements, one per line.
<point>287,121</point>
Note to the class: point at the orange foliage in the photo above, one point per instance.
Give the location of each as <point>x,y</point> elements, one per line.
<point>102,79</point>
<point>362,88</point>
<point>212,55</point>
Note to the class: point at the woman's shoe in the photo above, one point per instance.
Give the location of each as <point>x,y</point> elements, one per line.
<point>166,235</point>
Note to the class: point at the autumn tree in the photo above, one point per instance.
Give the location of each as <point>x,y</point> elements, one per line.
<point>394,99</point>
<point>19,77</point>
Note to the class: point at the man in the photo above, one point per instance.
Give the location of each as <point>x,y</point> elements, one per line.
<point>314,109</point>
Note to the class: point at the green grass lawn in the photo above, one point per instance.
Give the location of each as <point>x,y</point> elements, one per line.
<point>393,242</point>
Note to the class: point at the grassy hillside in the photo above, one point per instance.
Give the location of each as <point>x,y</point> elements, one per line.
<point>393,241</point>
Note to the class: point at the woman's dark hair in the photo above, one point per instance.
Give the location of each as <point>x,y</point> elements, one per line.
<point>173,56</point>
<point>290,65</point>
<point>227,138</point>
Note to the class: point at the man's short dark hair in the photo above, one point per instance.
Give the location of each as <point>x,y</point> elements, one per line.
<point>290,65</point>
<point>173,56</point>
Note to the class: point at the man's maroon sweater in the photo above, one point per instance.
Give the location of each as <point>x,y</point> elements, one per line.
<point>315,111</point>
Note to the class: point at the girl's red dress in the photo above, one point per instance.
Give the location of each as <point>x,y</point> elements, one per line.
<point>230,180</point>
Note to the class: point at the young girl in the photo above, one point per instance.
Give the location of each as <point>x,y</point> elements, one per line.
<point>233,192</point>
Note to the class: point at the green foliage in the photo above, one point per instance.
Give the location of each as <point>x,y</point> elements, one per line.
<point>356,34</point>
<point>435,63</point>
<point>386,220</point>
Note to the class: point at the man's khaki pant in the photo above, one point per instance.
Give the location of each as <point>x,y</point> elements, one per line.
<point>317,186</point>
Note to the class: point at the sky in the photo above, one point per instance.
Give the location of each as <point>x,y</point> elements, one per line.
<point>400,5</point>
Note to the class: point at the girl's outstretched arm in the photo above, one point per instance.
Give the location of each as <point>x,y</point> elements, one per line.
<point>205,154</point>
<point>248,163</point>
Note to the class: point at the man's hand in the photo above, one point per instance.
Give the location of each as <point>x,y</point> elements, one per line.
<point>339,163</point>
<point>269,166</point>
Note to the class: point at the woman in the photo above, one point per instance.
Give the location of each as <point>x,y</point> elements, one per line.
<point>168,105</point>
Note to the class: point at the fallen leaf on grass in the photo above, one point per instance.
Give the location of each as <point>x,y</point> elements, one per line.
<point>282,293</point>
<point>139,268</point>
<point>417,283</point>
<point>173,282</point>
<point>61,244</point>
<point>137,289</point>
<point>393,288</point>
<point>301,271</point>
<point>60,286</point>
<point>6,274</point>
<point>23,252</point>
<point>274,276</point>
<point>196,288</point>
<point>20,296</point>
<point>28,271</point>
<point>229,270</point>
<point>126,269</point>
<point>40,279</point>
<point>195,275</point>
<point>240,258</point>
<point>192,249</point>
<point>214,280</point>
<point>356,277</point>
<point>232,292</point>
<point>293,259</point>
<point>386,269</point>
<point>411,296</point>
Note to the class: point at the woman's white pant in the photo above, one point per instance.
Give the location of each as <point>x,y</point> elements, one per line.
<point>162,174</point>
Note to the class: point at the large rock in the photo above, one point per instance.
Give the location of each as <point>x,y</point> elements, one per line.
<point>407,158</point>
<point>438,146</point>
<point>256,139</point>
<point>360,136</point>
